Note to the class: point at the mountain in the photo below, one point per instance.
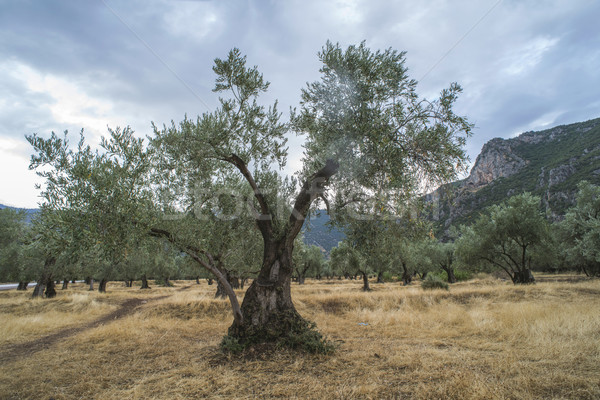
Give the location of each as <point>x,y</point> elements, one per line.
<point>548,163</point>
<point>317,231</point>
<point>29,211</point>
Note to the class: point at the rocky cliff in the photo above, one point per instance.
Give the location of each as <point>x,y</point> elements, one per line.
<point>548,163</point>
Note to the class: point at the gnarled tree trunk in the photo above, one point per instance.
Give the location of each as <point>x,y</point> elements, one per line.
<point>406,276</point>
<point>450,273</point>
<point>366,287</point>
<point>145,282</point>
<point>45,280</point>
<point>268,311</point>
<point>91,283</point>
<point>50,289</point>
<point>102,285</point>
<point>22,285</point>
<point>523,277</point>
<point>65,284</point>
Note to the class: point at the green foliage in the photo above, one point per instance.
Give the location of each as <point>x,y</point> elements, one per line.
<point>506,237</point>
<point>462,275</point>
<point>579,233</point>
<point>346,260</point>
<point>433,282</point>
<point>230,344</point>
<point>307,339</point>
<point>388,276</point>
<point>365,114</point>
<point>12,243</point>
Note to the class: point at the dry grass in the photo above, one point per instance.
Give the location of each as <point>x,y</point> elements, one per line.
<point>483,339</point>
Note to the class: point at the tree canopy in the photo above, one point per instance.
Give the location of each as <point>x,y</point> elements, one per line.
<point>210,183</point>
<point>506,236</point>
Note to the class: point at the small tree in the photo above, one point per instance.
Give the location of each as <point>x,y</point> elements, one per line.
<point>579,232</point>
<point>12,245</point>
<point>309,261</point>
<point>506,236</point>
<point>442,256</point>
<point>347,259</point>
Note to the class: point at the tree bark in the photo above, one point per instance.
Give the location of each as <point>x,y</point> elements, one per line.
<point>91,282</point>
<point>198,280</point>
<point>234,281</point>
<point>50,289</point>
<point>406,276</point>
<point>65,284</point>
<point>450,273</point>
<point>38,291</point>
<point>523,277</point>
<point>268,311</point>
<point>145,282</point>
<point>22,285</point>
<point>102,285</point>
<point>366,287</point>
<point>45,279</point>
<point>221,290</point>
<point>380,277</point>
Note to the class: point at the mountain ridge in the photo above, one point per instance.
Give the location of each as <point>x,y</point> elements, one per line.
<point>548,163</point>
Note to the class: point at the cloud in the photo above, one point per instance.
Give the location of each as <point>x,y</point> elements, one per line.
<point>66,65</point>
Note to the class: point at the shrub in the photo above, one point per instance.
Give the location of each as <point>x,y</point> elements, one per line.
<point>462,275</point>
<point>433,282</point>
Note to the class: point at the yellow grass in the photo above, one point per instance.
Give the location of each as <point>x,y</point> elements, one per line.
<point>484,339</point>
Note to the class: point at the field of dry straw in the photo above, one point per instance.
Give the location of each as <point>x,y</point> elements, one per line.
<point>483,339</point>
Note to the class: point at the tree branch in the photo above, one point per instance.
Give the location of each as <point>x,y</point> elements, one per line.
<point>264,219</point>
<point>194,254</point>
<point>313,187</point>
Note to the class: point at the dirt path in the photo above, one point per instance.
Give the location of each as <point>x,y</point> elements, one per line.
<point>18,351</point>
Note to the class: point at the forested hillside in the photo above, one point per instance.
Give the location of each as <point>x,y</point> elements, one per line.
<point>547,163</point>
<point>319,232</point>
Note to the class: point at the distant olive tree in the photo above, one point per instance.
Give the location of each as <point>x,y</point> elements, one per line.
<point>13,233</point>
<point>506,236</point>
<point>579,233</point>
<point>348,261</point>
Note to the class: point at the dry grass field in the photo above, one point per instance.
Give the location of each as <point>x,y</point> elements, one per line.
<point>483,339</point>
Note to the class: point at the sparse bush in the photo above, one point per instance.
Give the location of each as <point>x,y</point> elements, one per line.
<point>389,277</point>
<point>462,275</point>
<point>433,282</point>
<point>229,344</point>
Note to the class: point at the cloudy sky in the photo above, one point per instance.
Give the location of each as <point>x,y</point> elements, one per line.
<point>66,65</point>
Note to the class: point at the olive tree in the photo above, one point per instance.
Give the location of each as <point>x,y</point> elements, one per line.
<point>348,260</point>
<point>307,260</point>
<point>367,132</point>
<point>506,237</point>
<point>579,232</point>
<point>12,244</point>
<point>443,256</point>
